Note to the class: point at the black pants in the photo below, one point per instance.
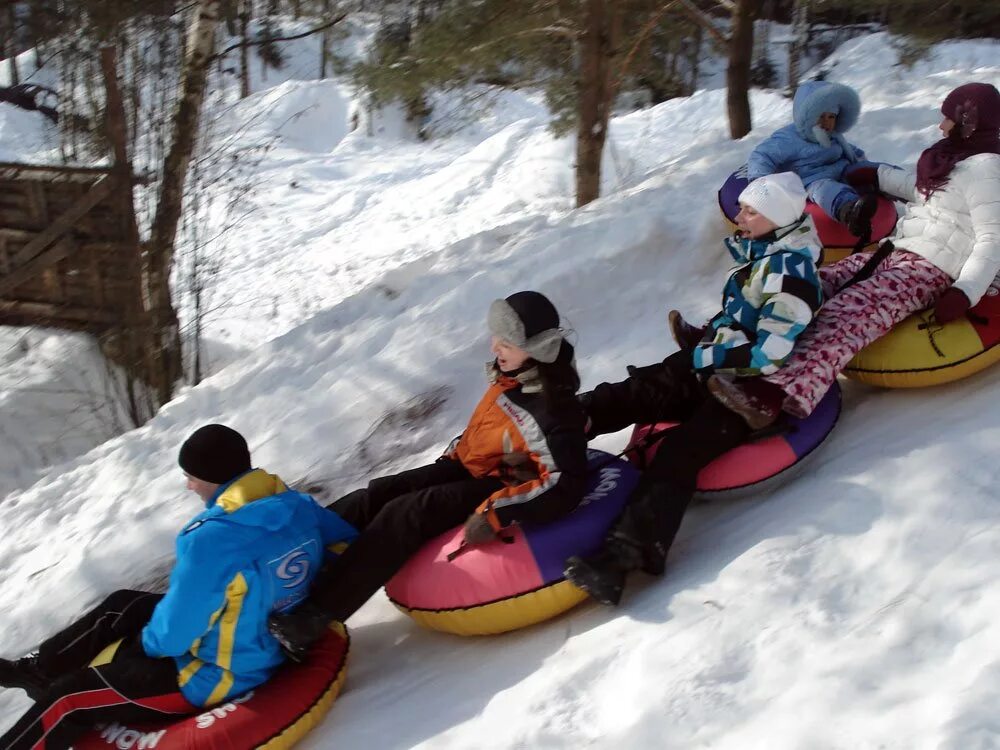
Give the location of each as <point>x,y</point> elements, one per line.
<point>666,392</point>
<point>133,687</point>
<point>396,515</point>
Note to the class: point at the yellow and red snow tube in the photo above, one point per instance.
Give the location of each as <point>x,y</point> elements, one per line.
<point>921,352</point>
<point>274,716</point>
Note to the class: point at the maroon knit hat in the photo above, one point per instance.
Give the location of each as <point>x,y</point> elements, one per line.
<point>973,107</point>
<point>975,110</point>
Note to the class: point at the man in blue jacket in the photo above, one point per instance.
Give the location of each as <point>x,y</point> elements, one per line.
<point>255,549</point>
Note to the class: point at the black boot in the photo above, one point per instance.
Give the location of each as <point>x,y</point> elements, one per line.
<point>857,215</point>
<point>633,539</point>
<point>297,631</point>
<point>602,575</point>
<point>25,674</point>
<point>599,576</point>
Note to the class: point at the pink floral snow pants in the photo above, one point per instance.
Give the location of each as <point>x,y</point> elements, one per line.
<point>902,284</point>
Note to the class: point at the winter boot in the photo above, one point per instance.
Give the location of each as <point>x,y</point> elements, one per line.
<point>634,539</point>
<point>297,631</point>
<point>857,215</point>
<point>25,674</point>
<point>603,575</point>
<point>756,400</point>
<point>600,576</point>
<point>686,335</point>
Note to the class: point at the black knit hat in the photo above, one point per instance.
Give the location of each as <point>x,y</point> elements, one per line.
<point>529,321</point>
<point>215,453</point>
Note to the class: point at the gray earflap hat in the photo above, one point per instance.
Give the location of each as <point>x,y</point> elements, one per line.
<point>530,322</point>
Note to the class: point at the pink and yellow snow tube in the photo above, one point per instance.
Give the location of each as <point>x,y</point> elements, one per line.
<point>511,584</point>
<point>837,241</point>
<point>920,352</point>
<point>274,716</point>
<point>759,465</point>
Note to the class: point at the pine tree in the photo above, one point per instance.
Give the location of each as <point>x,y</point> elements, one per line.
<point>581,53</point>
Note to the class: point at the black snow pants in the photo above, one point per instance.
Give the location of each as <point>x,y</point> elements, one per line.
<point>665,392</point>
<point>396,515</point>
<point>133,687</point>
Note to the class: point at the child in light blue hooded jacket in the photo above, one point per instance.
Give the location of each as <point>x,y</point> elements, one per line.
<point>814,148</point>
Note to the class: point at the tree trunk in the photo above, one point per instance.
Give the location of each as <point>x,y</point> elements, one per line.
<point>800,34</point>
<point>325,42</point>
<point>594,94</point>
<point>128,342</point>
<point>738,72</point>
<point>229,12</point>
<point>695,59</point>
<point>170,199</point>
<point>8,30</point>
<point>245,11</point>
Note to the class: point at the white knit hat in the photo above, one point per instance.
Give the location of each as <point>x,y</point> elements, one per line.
<point>780,197</point>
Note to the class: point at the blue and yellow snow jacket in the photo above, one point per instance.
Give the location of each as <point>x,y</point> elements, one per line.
<point>768,300</point>
<point>255,549</point>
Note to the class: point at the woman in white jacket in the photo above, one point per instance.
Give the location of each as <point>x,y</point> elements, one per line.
<point>945,252</point>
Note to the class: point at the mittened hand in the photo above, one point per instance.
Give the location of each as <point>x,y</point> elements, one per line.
<point>518,466</point>
<point>478,530</point>
<point>952,305</point>
<point>863,177</point>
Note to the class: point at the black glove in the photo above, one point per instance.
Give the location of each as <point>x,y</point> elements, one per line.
<point>297,631</point>
<point>478,530</point>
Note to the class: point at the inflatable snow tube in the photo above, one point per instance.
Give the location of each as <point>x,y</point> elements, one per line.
<point>837,241</point>
<point>275,715</point>
<point>508,585</point>
<point>920,352</point>
<point>758,466</point>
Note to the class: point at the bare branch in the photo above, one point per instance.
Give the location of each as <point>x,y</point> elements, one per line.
<point>321,27</point>
<point>564,31</point>
<point>641,37</point>
<point>702,19</point>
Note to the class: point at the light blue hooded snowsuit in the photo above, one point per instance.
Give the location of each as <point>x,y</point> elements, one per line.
<point>818,157</point>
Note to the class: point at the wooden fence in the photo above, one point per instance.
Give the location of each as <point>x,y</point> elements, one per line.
<point>69,251</point>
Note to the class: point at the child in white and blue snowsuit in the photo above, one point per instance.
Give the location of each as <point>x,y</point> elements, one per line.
<point>773,292</point>
<point>814,148</point>
<point>768,300</point>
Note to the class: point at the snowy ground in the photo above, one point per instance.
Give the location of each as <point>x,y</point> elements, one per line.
<point>854,608</point>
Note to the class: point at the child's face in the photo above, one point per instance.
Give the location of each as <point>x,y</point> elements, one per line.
<point>752,223</point>
<point>827,121</point>
<point>200,487</point>
<point>946,127</point>
<point>509,357</point>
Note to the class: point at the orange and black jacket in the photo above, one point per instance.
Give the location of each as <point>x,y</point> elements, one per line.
<point>539,452</point>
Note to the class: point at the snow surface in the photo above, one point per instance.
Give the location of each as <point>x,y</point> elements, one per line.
<point>853,608</point>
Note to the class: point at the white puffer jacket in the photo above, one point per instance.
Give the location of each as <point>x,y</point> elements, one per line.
<point>958,227</point>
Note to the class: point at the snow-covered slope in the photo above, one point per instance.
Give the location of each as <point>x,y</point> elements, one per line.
<point>853,608</point>
<point>58,398</point>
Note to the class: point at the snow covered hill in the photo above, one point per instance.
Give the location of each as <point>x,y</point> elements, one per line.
<point>854,608</point>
